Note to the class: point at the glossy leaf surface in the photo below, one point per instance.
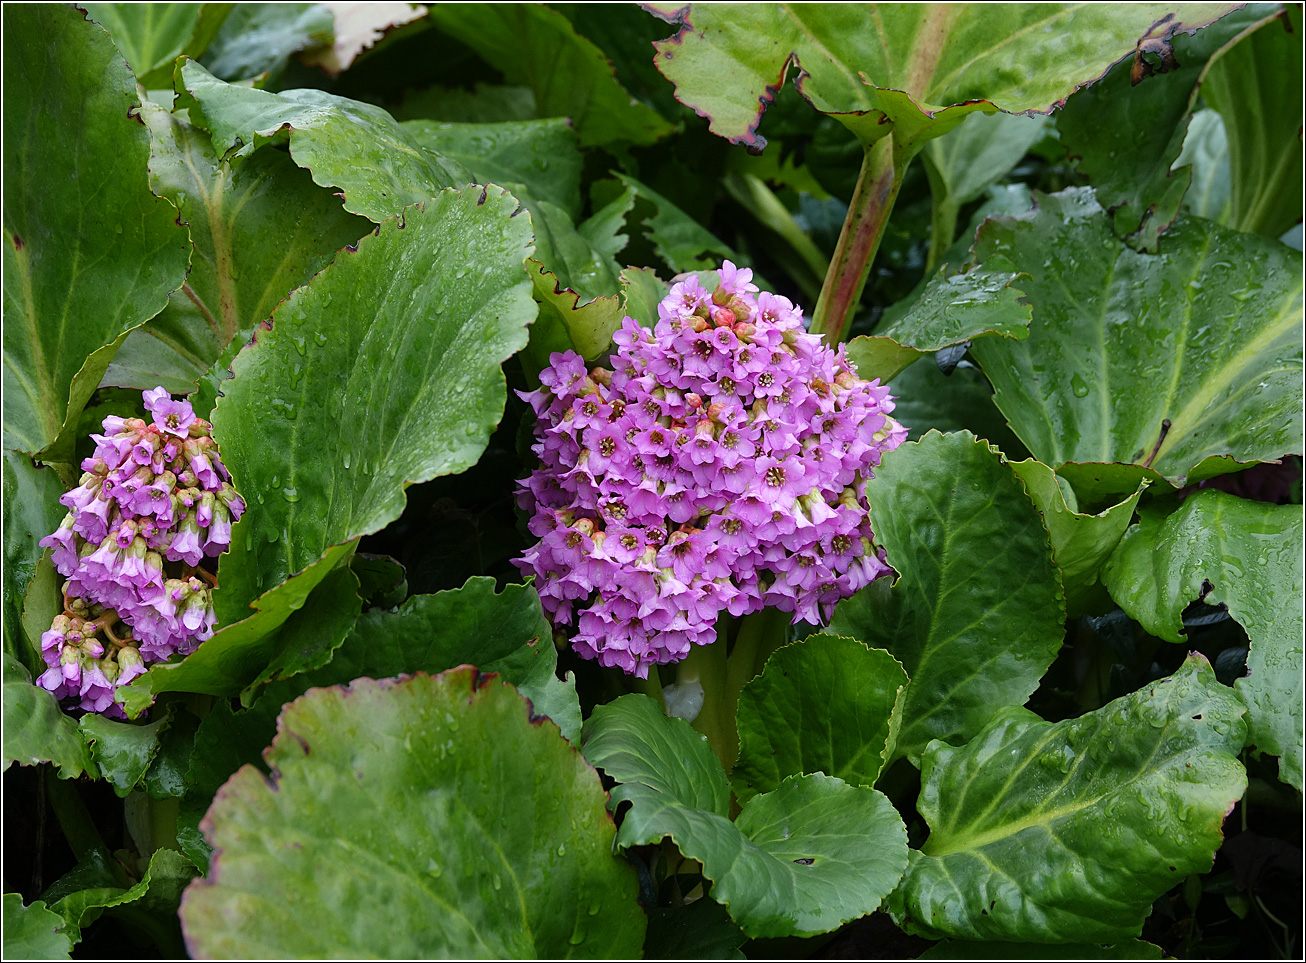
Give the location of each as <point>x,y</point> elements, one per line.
<point>351,146</point>
<point>1147,359</point>
<point>259,37</point>
<point>1262,115</point>
<point>570,77</point>
<point>89,252</point>
<point>36,730</point>
<point>1101,127</point>
<point>1066,832</point>
<point>917,72</point>
<point>1250,555</point>
<point>798,861</point>
<point>259,228</point>
<point>420,318</point>
<point>152,35</point>
<point>1081,542</point>
<point>973,638</point>
<point>31,512</point>
<point>425,817</point>
<point>821,705</point>
<point>32,932</point>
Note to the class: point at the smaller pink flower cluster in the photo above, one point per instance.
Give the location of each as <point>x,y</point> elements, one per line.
<point>718,466</point>
<point>154,500</point>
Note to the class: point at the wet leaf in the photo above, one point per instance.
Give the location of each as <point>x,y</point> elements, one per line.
<point>1066,832</point>
<point>418,818</point>
<point>1242,554</point>
<point>89,252</point>
<point>1147,359</point>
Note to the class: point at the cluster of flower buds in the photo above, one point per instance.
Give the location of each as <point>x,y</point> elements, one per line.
<point>718,466</point>
<point>154,500</point>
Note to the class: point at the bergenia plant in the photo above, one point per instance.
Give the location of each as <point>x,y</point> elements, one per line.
<point>663,480</point>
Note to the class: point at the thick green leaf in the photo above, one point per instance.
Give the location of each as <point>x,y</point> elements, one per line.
<point>913,70</point>
<point>32,932</point>
<point>36,730</point>
<point>418,818</point>
<point>964,162</point>
<point>1147,359</point>
<point>682,242</point>
<point>152,35</point>
<point>1247,556</point>
<point>31,512</point>
<point>952,309</point>
<point>798,861</point>
<point>383,581</point>
<point>974,637</point>
<point>1066,832</point>
<point>581,256</point>
<point>822,705</point>
<point>260,37</point>
<point>121,750</point>
<point>565,323</point>
<point>1081,542</point>
<point>504,633</point>
<point>643,291</point>
<point>962,400</point>
<point>570,77</point>
<point>158,892</point>
<point>1127,132</point>
<point>89,252</point>
<point>999,950</point>
<point>310,637</point>
<point>259,229</point>
<point>348,145</point>
<point>420,319</point>
<point>166,777</point>
<point>239,651</point>
<point>540,155</point>
<point>1256,87</point>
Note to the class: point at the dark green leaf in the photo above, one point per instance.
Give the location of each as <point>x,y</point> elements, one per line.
<point>539,155</point>
<point>798,861</point>
<point>974,638</point>
<point>701,930</point>
<point>419,818</point>
<point>822,705</point>
<point>952,309</point>
<point>237,652</point>
<point>570,77</point>
<point>1066,832</point>
<point>152,35</point>
<point>1247,556</point>
<point>32,511</point>
<point>926,398</point>
<point>916,73</point>
<point>354,147</point>
<point>420,319</point>
<point>1127,133</point>
<point>260,228</point>
<point>683,243</point>
<point>1081,542</point>
<point>159,891</point>
<point>1147,359</point>
<point>1255,87</point>
<point>383,582</point>
<point>166,777</point>
<point>32,932</point>
<point>36,730</point>
<point>504,632</point>
<point>89,252</point>
<point>122,750</point>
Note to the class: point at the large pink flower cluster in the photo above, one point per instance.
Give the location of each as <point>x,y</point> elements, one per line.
<point>154,500</point>
<point>718,466</point>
